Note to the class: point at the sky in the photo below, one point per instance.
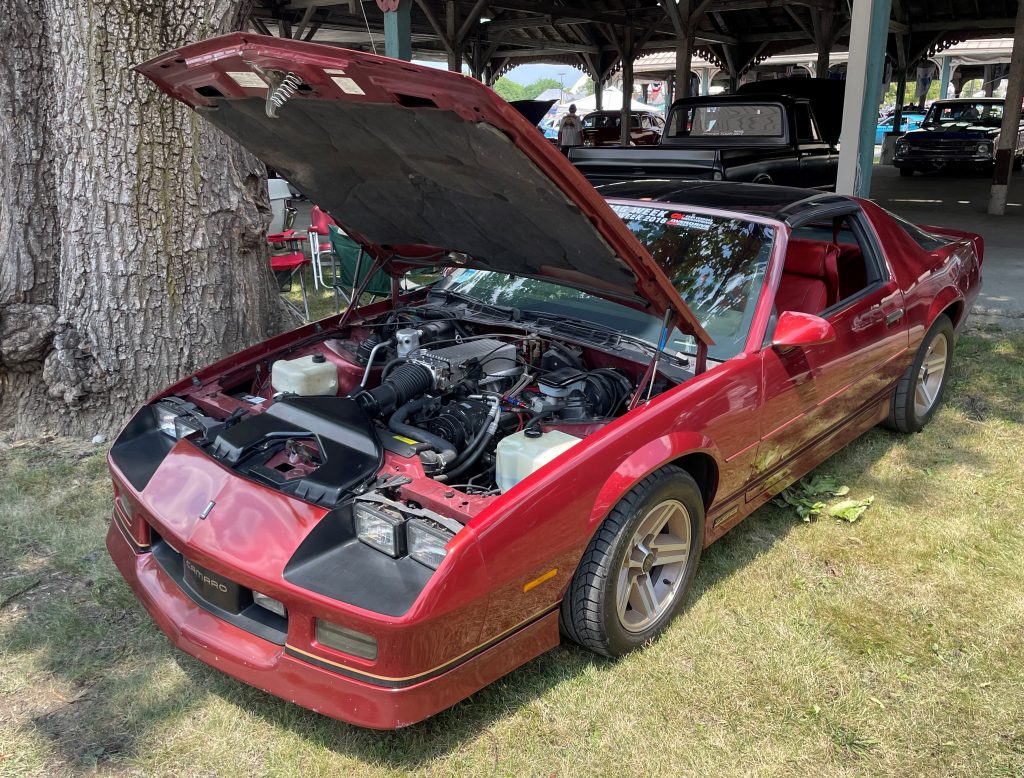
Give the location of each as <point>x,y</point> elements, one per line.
<point>528,74</point>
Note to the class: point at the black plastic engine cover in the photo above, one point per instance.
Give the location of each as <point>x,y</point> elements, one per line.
<point>348,443</point>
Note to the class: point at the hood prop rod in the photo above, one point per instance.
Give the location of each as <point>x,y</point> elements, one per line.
<point>652,369</point>
<point>358,287</point>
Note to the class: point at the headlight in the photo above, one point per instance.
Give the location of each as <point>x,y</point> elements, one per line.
<point>427,543</point>
<point>346,640</point>
<point>901,148</point>
<point>172,422</point>
<point>165,416</point>
<point>378,529</point>
<point>272,605</point>
<point>984,148</point>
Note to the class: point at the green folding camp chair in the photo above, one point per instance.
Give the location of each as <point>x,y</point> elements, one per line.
<point>345,255</point>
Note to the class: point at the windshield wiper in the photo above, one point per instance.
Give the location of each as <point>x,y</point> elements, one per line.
<point>587,329</point>
<point>478,306</point>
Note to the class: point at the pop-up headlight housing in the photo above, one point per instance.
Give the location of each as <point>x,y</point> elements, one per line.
<point>382,530</point>
<point>427,542</point>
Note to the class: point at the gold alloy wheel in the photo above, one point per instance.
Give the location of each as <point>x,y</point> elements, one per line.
<point>653,568</point>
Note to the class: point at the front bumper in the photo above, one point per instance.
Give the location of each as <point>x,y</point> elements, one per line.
<point>921,161</point>
<point>281,670</point>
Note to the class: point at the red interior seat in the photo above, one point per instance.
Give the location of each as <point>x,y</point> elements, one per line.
<point>810,278</point>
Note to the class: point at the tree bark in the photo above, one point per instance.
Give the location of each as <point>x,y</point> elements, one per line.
<point>132,245</point>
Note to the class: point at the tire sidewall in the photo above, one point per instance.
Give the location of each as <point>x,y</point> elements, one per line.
<point>941,326</point>
<point>672,486</point>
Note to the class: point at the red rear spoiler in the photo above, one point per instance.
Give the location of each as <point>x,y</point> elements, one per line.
<point>973,237</point>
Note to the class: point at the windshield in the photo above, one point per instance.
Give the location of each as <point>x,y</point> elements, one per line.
<point>711,121</point>
<point>716,264</point>
<point>604,121</point>
<point>984,113</point>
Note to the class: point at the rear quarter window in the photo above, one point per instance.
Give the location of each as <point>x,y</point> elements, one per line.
<point>929,241</point>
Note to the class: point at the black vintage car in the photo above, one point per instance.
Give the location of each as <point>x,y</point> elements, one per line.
<point>957,133</point>
<point>761,138</point>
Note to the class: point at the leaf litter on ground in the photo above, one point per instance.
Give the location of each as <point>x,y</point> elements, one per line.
<point>808,495</point>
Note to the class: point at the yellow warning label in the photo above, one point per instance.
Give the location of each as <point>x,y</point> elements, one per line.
<point>410,441</point>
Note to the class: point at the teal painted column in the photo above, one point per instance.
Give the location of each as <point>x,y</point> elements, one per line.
<point>944,78</point>
<point>869,33</point>
<point>397,28</point>
<point>705,81</point>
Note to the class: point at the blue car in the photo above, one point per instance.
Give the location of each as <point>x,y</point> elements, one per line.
<point>550,128</point>
<point>910,121</point>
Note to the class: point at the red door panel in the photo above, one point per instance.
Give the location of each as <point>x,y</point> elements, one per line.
<point>810,393</point>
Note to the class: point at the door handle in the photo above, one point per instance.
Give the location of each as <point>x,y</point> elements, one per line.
<point>893,316</point>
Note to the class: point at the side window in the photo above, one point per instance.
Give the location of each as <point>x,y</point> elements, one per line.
<point>830,262</point>
<point>645,122</point>
<point>806,129</point>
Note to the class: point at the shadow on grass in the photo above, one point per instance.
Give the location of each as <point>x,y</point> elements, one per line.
<point>93,636</point>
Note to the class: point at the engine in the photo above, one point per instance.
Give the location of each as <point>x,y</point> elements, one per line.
<point>458,401</point>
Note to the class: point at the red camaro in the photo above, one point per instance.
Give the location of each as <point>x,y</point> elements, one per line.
<point>378,514</point>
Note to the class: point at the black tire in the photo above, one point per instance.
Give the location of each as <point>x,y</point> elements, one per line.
<point>590,613</point>
<point>904,412</point>
<point>906,172</point>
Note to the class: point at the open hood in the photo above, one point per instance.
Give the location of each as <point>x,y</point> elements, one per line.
<point>417,162</point>
<point>533,110</point>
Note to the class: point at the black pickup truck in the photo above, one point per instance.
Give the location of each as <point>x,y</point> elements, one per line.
<point>749,136</point>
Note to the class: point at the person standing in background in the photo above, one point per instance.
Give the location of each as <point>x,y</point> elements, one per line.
<point>570,131</point>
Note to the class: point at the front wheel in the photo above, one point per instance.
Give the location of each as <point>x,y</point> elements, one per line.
<point>635,573</point>
<point>906,172</point>
<point>919,390</point>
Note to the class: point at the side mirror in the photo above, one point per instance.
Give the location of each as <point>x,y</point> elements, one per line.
<point>795,329</point>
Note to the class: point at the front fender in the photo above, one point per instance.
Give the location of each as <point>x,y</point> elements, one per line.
<point>642,462</point>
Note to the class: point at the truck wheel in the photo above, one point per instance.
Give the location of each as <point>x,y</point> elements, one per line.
<point>906,172</point>
<point>763,179</point>
<point>918,392</point>
<point>635,573</point>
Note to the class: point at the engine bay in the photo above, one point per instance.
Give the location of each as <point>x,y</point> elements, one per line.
<point>439,407</point>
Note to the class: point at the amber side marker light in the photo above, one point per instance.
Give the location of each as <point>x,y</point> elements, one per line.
<point>539,580</point>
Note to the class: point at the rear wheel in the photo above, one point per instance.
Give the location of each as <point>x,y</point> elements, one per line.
<point>920,389</point>
<point>635,573</point>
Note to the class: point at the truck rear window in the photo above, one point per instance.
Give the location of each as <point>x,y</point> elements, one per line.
<point>715,121</point>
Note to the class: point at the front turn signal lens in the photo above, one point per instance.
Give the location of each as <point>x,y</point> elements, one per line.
<point>346,640</point>
<point>269,603</point>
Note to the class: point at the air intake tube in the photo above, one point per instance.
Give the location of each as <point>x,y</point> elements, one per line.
<point>405,382</point>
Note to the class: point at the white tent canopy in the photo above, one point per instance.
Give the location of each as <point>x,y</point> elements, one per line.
<point>612,102</point>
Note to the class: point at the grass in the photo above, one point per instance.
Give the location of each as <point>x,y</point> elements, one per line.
<point>321,301</point>
<point>889,646</point>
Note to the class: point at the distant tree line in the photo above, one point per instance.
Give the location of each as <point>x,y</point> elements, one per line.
<point>513,90</point>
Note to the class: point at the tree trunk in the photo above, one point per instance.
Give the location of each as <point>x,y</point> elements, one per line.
<point>132,245</point>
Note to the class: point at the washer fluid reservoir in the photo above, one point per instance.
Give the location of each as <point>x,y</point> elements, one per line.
<point>521,453</point>
<point>305,376</point>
